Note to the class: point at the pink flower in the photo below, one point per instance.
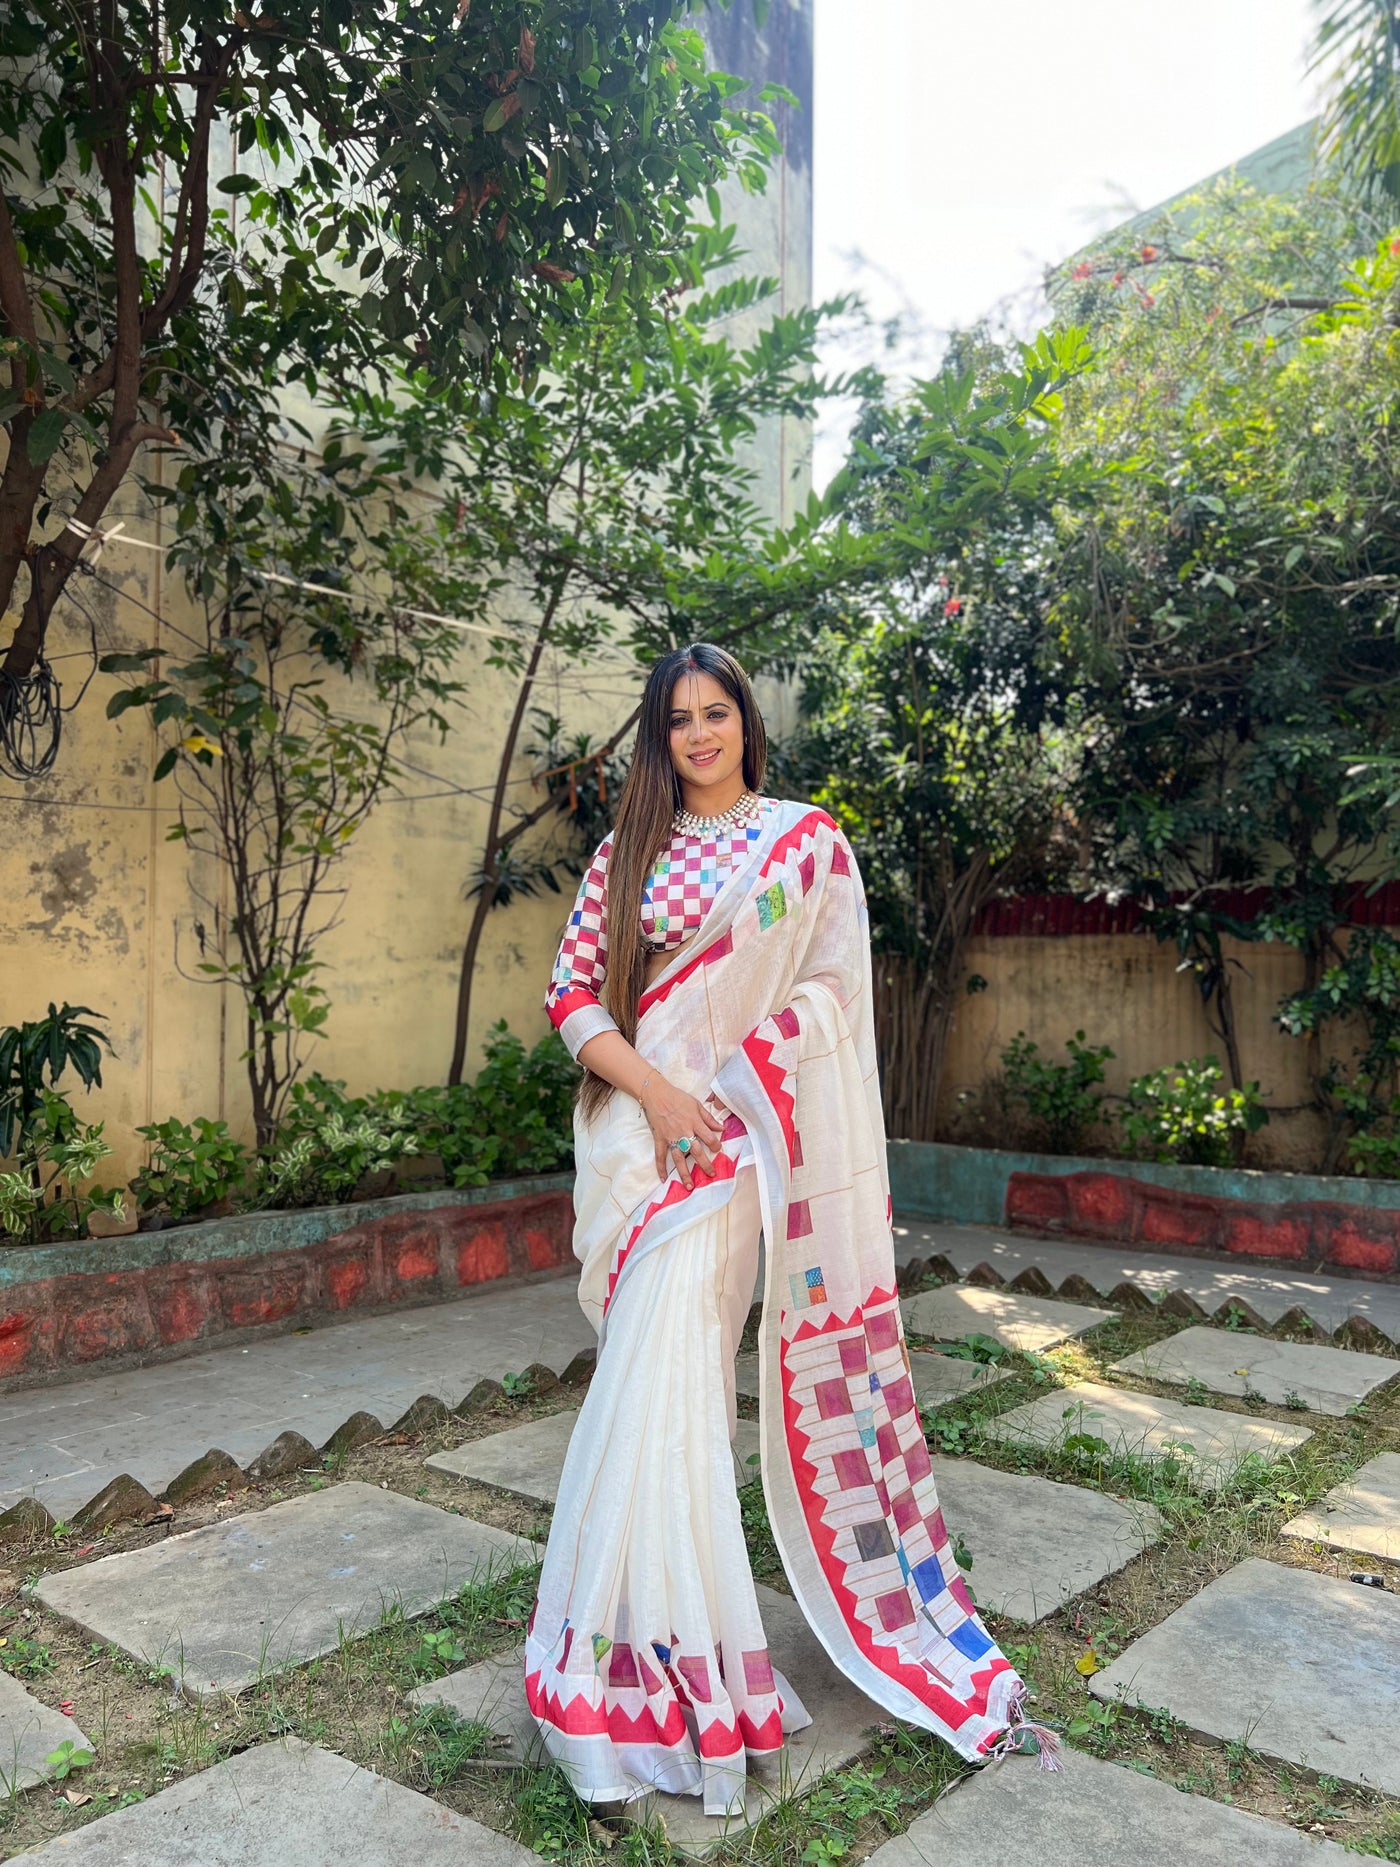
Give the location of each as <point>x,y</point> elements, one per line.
<point>1149,253</point>
<point>1083,270</point>
<point>953,607</point>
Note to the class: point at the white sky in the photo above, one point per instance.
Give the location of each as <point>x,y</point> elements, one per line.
<point>960,145</point>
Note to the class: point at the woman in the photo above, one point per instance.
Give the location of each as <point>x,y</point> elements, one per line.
<point>731,1084</point>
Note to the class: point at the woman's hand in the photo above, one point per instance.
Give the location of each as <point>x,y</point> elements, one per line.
<point>670,1112</point>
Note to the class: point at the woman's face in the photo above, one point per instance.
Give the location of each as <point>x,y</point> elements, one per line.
<point>707,740</point>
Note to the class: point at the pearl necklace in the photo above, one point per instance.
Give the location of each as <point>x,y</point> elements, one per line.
<point>689,824</point>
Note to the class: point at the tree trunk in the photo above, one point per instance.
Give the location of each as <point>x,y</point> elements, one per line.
<point>913,1022</point>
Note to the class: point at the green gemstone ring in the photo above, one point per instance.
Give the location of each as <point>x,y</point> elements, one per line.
<point>683,1145</point>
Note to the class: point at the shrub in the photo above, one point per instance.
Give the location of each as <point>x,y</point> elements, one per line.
<point>516,1118</point>
<point>1060,1098</point>
<point>44,1047</point>
<point>1374,1151</point>
<point>48,1193</point>
<point>326,1161</point>
<point>191,1166</point>
<point>1181,1114</point>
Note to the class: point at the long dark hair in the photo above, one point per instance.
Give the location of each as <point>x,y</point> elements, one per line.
<point>645,814</point>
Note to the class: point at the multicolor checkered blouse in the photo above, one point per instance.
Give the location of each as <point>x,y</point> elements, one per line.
<point>676,898</point>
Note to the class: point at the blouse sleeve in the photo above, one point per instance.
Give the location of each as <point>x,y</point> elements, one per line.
<point>581,965</point>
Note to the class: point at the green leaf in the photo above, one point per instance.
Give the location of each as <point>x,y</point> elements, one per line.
<point>133,663</point>
<point>556,177</point>
<point>165,764</point>
<point>46,434</point>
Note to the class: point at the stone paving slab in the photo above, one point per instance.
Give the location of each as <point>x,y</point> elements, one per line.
<point>1213,1443</point>
<point>938,1379</point>
<point>1300,1666</point>
<point>285,1804</point>
<point>494,1692</point>
<point>1093,1814</point>
<point>62,1444</point>
<point>528,1461</point>
<point>1028,1323</point>
<point>1362,1514</point>
<point>1035,1543</point>
<point>259,1593</point>
<point>1228,1361</point>
<point>29,1733</point>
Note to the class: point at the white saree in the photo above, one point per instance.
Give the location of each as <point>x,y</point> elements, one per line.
<point>646,1663</point>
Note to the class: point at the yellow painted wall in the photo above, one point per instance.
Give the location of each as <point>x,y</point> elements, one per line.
<point>1124,990</point>
<point>96,907</point>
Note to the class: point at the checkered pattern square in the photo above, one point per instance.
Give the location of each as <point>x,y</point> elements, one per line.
<point>675,900</point>
<point>681,889</point>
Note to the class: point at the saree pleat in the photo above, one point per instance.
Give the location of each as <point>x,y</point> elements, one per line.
<point>646,1662</point>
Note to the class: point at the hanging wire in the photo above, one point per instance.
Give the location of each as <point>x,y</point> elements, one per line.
<point>31,721</point>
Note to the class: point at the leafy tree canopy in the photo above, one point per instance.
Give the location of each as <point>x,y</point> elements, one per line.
<point>317,192</point>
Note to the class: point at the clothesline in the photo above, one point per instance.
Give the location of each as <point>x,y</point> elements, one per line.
<point>118,534</point>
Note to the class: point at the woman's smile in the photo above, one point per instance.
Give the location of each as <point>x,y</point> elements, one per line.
<point>707,743</point>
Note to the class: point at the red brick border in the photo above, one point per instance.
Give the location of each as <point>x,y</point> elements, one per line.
<point>1125,1211</point>
<point>93,1316</point>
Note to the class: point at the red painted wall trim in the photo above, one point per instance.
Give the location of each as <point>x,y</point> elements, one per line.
<point>57,1324</point>
<point>1058,916</point>
<point>1123,1211</point>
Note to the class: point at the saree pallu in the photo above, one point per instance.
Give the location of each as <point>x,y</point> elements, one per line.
<point>769,1012</point>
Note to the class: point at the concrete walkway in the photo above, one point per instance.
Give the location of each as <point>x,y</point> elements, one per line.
<point>62,1444</point>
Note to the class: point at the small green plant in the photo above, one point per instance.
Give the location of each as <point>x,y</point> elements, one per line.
<point>434,1745</point>
<point>27,1659</point>
<point>51,1191</point>
<point>758,1532</point>
<point>44,1047</point>
<point>1096,1724</point>
<point>438,1652</point>
<point>548,1816</point>
<point>328,1152</point>
<point>976,1347</point>
<point>953,1436</point>
<point>1374,1152</point>
<point>840,1804</point>
<point>191,1166</point>
<point>517,1386</point>
<point>1061,1099</point>
<point>1294,1401</point>
<point>68,1757</point>
<point>1184,1114</point>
